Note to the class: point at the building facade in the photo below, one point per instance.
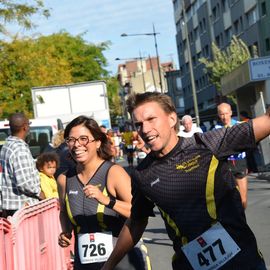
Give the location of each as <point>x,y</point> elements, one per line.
<point>201,22</point>
<point>175,91</point>
<point>142,75</point>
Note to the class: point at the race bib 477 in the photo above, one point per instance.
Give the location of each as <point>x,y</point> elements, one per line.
<point>211,250</point>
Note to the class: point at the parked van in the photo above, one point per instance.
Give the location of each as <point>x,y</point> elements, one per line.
<point>40,135</point>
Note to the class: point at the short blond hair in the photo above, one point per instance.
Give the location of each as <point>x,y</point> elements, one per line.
<point>58,138</point>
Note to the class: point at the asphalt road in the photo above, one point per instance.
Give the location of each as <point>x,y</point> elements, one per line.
<point>258,214</point>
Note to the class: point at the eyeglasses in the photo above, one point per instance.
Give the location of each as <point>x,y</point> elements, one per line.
<point>82,140</point>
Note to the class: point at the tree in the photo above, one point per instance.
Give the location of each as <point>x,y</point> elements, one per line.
<point>52,60</point>
<point>86,60</point>
<point>114,99</point>
<point>19,13</point>
<point>226,61</point>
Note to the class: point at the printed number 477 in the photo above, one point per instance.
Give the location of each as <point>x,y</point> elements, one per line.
<point>210,250</point>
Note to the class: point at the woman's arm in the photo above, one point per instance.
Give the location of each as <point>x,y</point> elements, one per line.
<point>65,235</point>
<point>119,186</point>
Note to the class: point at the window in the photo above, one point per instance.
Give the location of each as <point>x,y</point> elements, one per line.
<point>217,41</point>
<point>236,26</point>
<point>200,106</point>
<point>181,102</point>
<point>178,84</point>
<point>228,34</point>
<point>194,61</point>
<point>206,51</point>
<point>263,7</point>
<point>224,5</point>
<point>241,27</point>
<point>267,44</point>
<point>181,70</point>
<point>210,102</point>
<point>201,27</point>
<point>214,12</point>
<point>221,40</point>
<point>251,17</point>
<point>191,37</point>
<point>195,33</point>
<point>204,24</point>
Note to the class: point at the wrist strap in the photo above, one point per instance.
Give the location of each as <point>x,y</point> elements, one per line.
<point>111,203</point>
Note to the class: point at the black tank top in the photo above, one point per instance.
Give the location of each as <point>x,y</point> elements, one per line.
<point>86,214</point>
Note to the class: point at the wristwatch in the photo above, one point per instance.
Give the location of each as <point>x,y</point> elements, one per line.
<point>111,203</point>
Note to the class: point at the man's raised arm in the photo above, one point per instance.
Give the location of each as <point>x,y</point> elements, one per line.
<point>261,126</point>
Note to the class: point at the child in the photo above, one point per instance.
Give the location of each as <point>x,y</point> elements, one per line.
<point>47,164</point>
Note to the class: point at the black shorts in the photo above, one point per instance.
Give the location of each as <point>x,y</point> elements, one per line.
<point>238,167</point>
<point>129,149</point>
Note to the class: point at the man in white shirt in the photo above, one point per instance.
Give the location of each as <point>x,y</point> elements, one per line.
<point>189,128</point>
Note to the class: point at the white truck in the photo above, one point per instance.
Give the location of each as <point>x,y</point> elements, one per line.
<point>66,102</point>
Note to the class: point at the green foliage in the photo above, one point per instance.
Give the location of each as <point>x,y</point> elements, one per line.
<point>86,60</point>
<point>52,60</point>
<point>114,99</point>
<point>19,13</point>
<point>225,61</point>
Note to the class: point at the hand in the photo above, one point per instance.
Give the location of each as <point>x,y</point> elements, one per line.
<point>64,239</point>
<point>93,192</point>
<point>42,196</point>
<point>141,146</point>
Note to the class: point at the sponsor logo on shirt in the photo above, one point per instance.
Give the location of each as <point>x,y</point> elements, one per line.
<point>75,192</point>
<point>189,165</point>
<point>155,182</point>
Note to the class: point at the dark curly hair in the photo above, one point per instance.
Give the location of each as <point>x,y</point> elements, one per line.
<point>47,157</point>
<point>104,151</point>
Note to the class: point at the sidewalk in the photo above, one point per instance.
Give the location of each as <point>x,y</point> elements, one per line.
<point>261,175</point>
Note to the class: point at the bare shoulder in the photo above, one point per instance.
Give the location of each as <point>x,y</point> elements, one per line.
<point>61,180</point>
<point>61,187</point>
<point>117,177</point>
<point>117,170</point>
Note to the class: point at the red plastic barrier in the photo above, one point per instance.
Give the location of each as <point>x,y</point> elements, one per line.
<point>6,249</point>
<point>35,238</point>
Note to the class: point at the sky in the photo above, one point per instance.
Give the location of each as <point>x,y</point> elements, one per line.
<point>106,20</point>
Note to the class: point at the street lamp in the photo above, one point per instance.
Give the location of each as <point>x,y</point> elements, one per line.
<point>134,59</point>
<point>154,33</point>
<point>194,94</point>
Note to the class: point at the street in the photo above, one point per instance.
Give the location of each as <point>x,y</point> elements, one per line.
<point>258,216</point>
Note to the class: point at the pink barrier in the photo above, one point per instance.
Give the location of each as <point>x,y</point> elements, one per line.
<point>6,251</point>
<point>35,238</point>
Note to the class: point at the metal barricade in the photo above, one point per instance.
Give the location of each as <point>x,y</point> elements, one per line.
<point>6,248</point>
<point>35,238</point>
